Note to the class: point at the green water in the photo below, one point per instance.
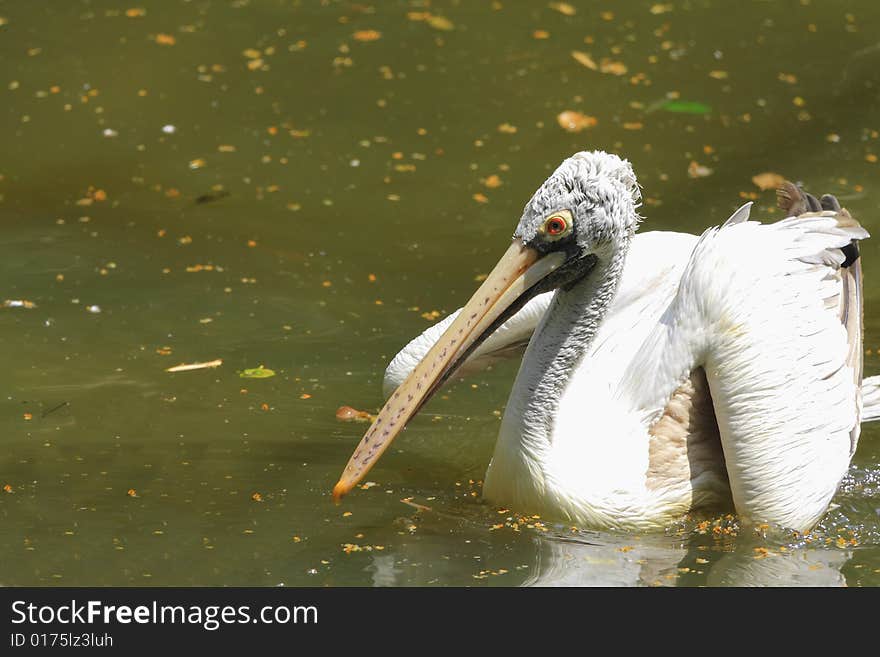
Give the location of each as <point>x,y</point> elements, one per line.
<point>299,162</point>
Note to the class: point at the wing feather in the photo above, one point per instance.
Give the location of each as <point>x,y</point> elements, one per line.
<point>779,320</point>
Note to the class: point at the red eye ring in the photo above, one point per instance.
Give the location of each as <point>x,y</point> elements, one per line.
<point>555,226</point>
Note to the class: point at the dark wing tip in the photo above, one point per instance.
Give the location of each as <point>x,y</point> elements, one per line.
<point>790,199</point>
<point>830,202</point>
<point>794,201</point>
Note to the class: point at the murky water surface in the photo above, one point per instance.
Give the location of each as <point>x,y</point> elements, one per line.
<point>307,185</point>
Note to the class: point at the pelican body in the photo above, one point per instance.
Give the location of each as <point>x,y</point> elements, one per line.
<point>664,372</point>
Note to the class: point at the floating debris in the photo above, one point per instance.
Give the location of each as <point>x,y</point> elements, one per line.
<point>572,121</point>
<point>612,67</point>
<point>349,414</point>
<point>420,507</point>
<point>367,35</point>
<point>19,303</point>
<point>186,367</point>
<point>697,170</point>
<point>257,373</point>
<point>585,60</point>
<point>768,180</point>
<point>563,8</point>
<point>440,23</point>
<point>55,408</point>
<point>492,181</point>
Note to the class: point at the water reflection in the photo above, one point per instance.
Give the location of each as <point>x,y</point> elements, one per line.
<point>660,562</point>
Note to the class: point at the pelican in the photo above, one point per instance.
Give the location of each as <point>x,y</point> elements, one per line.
<point>665,372</point>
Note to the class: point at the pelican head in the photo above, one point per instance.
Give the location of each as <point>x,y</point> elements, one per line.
<point>594,194</point>
<point>583,212</point>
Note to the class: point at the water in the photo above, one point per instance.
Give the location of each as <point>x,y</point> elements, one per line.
<point>268,183</point>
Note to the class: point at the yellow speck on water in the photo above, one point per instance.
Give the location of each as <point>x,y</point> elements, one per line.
<point>367,35</point>
<point>768,180</point>
<point>563,8</point>
<point>574,121</point>
<point>440,23</point>
<point>492,181</point>
<point>584,59</point>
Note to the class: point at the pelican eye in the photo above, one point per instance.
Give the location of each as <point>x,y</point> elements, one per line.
<point>556,226</point>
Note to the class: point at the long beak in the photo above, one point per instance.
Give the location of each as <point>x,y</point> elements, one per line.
<point>518,271</point>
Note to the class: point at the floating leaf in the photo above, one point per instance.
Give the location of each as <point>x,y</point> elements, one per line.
<point>257,373</point>
<point>367,35</point>
<point>612,67</point>
<point>685,107</point>
<point>697,170</point>
<point>768,180</point>
<point>349,414</point>
<point>572,121</point>
<point>584,59</point>
<point>440,23</point>
<point>563,8</point>
<point>492,181</point>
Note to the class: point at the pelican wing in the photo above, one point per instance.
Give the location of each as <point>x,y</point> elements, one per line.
<point>773,313</point>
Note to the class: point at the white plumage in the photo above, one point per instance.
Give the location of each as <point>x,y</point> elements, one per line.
<point>724,369</point>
